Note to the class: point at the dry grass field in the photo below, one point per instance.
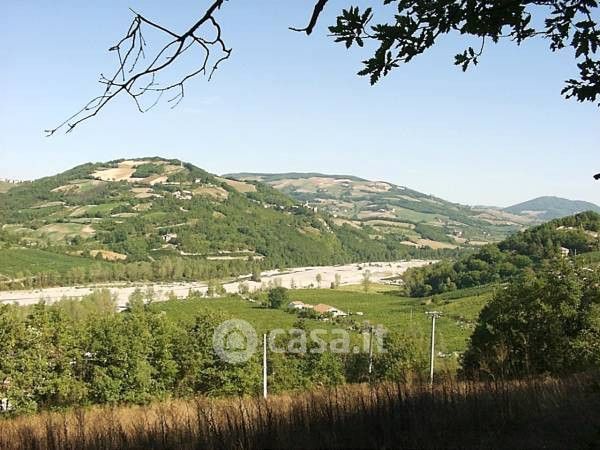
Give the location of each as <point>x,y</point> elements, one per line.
<point>108,255</point>
<point>434,244</point>
<point>5,187</point>
<point>539,413</point>
<point>239,186</point>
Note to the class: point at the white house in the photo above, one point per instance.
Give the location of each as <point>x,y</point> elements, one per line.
<point>183,195</point>
<point>169,237</point>
<point>323,309</point>
<point>299,305</point>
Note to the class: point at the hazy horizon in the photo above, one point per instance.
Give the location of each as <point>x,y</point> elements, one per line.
<point>497,135</point>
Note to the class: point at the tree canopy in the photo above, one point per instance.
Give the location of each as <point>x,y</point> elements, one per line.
<point>494,263</point>
<point>277,297</point>
<point>545,322</point>
<point>417,25</point>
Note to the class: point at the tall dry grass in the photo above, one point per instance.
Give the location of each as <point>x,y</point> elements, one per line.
<point>536,413</point>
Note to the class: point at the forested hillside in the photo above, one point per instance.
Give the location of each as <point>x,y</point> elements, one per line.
<point>419,219</point>
<point>157,219</point>
<point>568,237</point>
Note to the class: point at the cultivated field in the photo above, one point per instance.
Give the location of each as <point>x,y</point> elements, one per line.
<point>5,187</point>
<point>15,261</point>
<point>239,186</point>
<point>381,306</point>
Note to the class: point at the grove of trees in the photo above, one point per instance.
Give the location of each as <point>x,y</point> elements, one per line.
<point>546,322</point>
<point>84,352</point>
<point>499,262</point>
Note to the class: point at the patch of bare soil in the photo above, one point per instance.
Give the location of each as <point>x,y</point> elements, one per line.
<point>215,192</point>
<point>108,255</point>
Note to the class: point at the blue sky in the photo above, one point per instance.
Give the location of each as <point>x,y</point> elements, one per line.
<point>499,134</point>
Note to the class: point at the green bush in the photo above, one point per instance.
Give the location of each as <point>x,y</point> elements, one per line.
<point>147,170</point>
<point>277,297</point>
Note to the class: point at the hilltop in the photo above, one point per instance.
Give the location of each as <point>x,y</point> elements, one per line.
<point>548,208</point>
<point>271,177</point>
<point>153,218</point>
<point>421,220</point>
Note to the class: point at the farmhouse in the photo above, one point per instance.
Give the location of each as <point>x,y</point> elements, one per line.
<point>323,309</point>
<point>183,195</point>
<point>299,305</point>
<point>169,237</point>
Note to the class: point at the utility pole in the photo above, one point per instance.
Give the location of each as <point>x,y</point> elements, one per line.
<point>434,316</point>
<point>265,366</point>
<point>371,354</point>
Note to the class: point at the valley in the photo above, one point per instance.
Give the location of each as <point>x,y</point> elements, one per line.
<point>156,220</point>
<point>273,225</point>
<point>126,271</point>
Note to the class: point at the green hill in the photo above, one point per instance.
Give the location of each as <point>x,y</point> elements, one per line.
<point>159,219</point>
<point>419,219</point>
<point>571,236</point>
<point>548,208</point>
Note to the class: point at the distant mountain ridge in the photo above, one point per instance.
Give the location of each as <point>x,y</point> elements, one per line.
<point>418,217</point>
<point>267,177</point>
<point>385,208</point>
<point>549,207</point>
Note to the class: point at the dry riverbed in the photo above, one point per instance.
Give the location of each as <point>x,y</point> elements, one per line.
<point>301,277</point>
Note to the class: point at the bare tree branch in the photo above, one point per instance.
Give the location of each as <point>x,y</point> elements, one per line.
<point>313,19</point>
<point>414,29</point>
<point>137,80</point>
